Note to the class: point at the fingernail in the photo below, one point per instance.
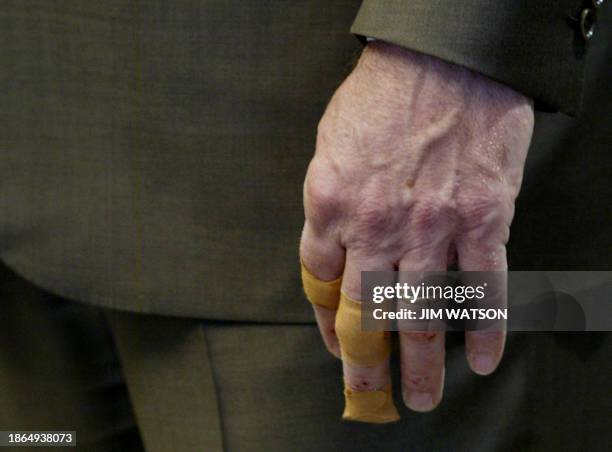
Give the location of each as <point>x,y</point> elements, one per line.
<point>483,363</point>
<point>419,401</point>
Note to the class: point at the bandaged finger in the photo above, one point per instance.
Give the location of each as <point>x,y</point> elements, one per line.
<point>321,293</point>
<point>363,349</point>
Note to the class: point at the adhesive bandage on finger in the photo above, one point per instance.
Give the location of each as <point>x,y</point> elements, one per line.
<point>363,349</point>
<point>376,407</point>
<point>321,293</point>
<point>358,347</point>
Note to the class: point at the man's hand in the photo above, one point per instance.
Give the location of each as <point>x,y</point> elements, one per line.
<point>418,163</point>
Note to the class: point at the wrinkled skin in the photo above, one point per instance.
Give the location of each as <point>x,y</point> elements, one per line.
<point>418,164</point>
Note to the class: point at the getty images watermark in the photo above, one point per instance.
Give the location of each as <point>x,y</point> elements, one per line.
<point>515,301</point>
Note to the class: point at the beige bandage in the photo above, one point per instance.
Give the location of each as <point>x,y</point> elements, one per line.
<point>321,293</point>
<point>363,349</point>
<point>376,407</point>
<point>359,348</point>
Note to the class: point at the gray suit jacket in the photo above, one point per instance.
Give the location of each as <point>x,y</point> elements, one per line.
<point>152,154</point>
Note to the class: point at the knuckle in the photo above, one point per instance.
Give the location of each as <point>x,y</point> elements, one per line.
<point>322,199</point>
<point>483,207</point>
<point>373,220</point>
<point>419,337</point>
<point>429,210</point>
<point>373,213</point>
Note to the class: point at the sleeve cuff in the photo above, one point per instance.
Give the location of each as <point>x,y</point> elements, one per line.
<point>528,45</point>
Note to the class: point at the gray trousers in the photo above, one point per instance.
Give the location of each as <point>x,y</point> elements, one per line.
<point>128,381</point>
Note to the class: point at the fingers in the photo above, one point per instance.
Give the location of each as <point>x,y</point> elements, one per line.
<point>365,363</point>
<point>357,262</point>
<point>485,348</point>
<point>422,352</point>
<point>322,264</point>
<point>326,321</point>
<point>365,354</point>
<point>422,364</point>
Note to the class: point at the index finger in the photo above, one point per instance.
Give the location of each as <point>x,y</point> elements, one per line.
<point>322,261</point>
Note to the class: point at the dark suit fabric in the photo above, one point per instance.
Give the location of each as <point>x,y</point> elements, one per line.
<point>152,156</point>
<point>153,153</point>
<point>128,382</point>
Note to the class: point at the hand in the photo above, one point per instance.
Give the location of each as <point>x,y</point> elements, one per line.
<point>418,162</point>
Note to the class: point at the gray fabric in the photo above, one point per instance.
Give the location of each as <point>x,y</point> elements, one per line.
<point>167,369</point>
<point>59,370</point>
<point>151,159</point>
<point>152,155</point>
<point>279,390</point>
<point>208,386</point>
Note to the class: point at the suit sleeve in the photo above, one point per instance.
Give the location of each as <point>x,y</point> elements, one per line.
<point>534,46</point>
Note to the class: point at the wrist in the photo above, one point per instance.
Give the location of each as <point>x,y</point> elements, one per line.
<point>401,70</point>
<point>388,60</point>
